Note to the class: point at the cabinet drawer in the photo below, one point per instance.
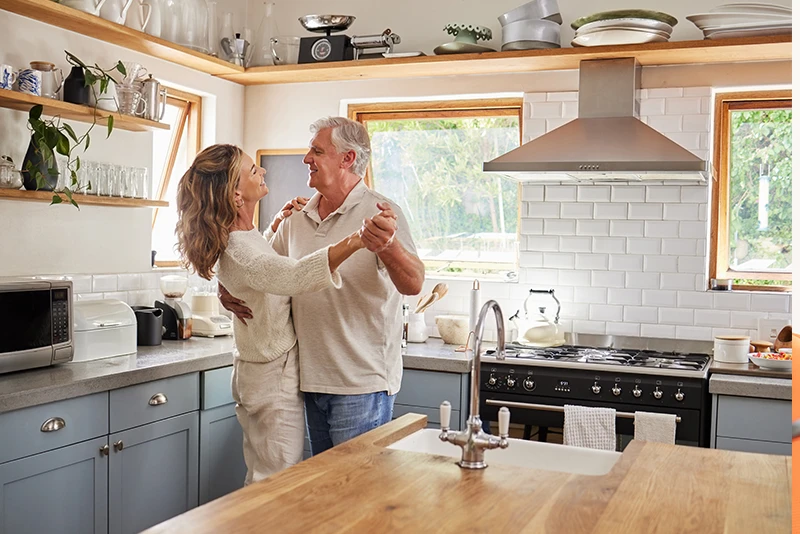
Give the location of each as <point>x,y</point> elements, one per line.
<point>141,404</point>
<point>216,388</point>
<point>752,445</point>
<point>753,418</point>
<point>21,431</point>
<point>429,389</point>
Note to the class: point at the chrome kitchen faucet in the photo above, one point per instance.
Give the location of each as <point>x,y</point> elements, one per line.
<point>473,440</point>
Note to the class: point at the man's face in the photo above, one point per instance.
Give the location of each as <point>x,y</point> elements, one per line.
<point>325,165</point>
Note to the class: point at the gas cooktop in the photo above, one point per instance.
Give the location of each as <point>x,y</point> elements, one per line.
<point>620,360</point>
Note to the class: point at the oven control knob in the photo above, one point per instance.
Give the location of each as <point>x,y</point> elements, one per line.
<point>492,380</point>
<point>510,382</point>
<point>529,384</point>
<point>679,395</point>
<point>616,390</point>
<point>658,393</point>
<point>596,389</point>
<point>636,392</point>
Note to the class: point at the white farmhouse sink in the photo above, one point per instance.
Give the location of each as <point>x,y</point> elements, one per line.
<point>522,453</point>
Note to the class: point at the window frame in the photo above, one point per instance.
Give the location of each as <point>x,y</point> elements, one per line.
<point>444,109</point>
<point>725,103</point>
<point>190,118</point>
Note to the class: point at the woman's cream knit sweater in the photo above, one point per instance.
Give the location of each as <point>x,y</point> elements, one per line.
<point>253,272</point>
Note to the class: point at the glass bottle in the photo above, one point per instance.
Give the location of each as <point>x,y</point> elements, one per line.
<point>226,32</point>
<point>267,29</point>
<point>213,32</point>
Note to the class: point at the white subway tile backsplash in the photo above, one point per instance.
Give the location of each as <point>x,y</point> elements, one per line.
<point>570,110</point>
<point>623,329</point>
<point>575,310</point>
<point>771,303</point>
<point>681,212</point>
<point>642,280</point>
<point>591,262</point>
<point>695,123</point>
<point>688,140</point>
<point>647,245</point>
<point>575,278</point>
<point>660,298</point>
<point>559,227</point>
<point>543,210</point>
<point>628,297</point>
<point>678,281</point>
<point>652,107</point>
<point>591,295</point>
<point>627,193</point>
<point>694,333</point>
<point>533,193</point>
<point>531,259</point>
<point>645,211</point>
<point>535,97</point>
<point>589,327</point>
<point>559,260</point>
<point>730,332</point>
<point>81,283</point>
<point>661,264</point>
<point>692,230</point>
<point>552,110</point>
<point>563,96</point>
<point>531,227</point>
<point>627,228</point>
<point>129,282</point>
<point>663,193</point>
<point>543,243</point>
<point>609,245</point>
<point>87,296</point>
<point>697,91</point>
<point>664,92</point>
<point>611,211</point>
<point>140,298</point>
<point>676,316</point>
<point>608,279</point>
<point>703,212</point>
<point>576,244</point>
<point>679,247</point>
<point>599,228</point>
<point>640,314</point>
<point>594,193</point>
<point>102,283</point>
<point>625,262</point>
<point>116,295</point>
<point>541,277</point>
<point>697,194</point>
<point>658,330</point>
<point>605,312</point>
<point>663,229</point>
<point>747,320</point>
<point>552,124</point>
<point>679,106</point>
<point>533,128</point>
<point>721,318</point>
<point>691,299</point>
<point>576,210</point>
<point>665,123</point>
<point>691,264</point>
<point>702,247</point>
<point>560,193</point>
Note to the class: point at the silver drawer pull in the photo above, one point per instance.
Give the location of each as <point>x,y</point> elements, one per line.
<point>158,399</point>
<point>53,424</point>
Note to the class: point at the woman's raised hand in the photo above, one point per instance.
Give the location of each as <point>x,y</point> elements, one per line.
<point>295,204</point>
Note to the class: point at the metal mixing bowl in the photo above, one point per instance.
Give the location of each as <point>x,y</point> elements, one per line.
<point>326,23</point>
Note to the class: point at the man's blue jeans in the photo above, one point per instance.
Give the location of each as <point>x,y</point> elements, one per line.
<point>334,419</point>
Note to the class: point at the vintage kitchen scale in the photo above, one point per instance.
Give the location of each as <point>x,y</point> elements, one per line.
<point>340,47</point>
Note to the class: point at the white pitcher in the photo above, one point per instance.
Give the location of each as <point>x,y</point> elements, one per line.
<point>115,10</point>
<point>139,15</point>
<point>154,27</point>
<point>87,6</point>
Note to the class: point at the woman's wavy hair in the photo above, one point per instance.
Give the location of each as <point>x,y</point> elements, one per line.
<point>206,207</point>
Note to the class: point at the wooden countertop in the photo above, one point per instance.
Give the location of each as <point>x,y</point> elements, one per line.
<point>360,486</point>
<point>747,369</point>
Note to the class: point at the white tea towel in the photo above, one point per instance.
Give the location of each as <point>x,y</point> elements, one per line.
<point>658,427</point>
<point>594,428</point>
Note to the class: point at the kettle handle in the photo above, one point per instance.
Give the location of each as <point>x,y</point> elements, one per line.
<point>162,95</point>
<point>552,293</point>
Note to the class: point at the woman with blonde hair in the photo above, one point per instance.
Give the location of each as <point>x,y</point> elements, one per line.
<point>217,198</point>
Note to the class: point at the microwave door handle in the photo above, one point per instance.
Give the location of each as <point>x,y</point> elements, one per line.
<point>107,325</point>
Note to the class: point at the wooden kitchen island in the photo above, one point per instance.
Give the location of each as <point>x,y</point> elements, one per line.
<point>360,486</point>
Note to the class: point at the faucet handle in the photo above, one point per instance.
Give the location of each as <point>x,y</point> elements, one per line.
<point>503,418</point>
<point>444,415</point>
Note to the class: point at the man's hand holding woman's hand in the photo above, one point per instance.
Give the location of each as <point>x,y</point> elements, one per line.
<point>295,204</point>
<point>378,233</point>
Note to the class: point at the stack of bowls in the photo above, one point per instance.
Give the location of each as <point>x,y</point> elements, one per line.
<point>744,20</point>
<point>629,26</point>
<point>534,25</point>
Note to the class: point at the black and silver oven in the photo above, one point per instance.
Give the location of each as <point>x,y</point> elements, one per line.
<point>35,323</point>
<point>536,392</point>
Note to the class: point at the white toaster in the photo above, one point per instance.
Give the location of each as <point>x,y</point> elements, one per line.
<point>102,329</point>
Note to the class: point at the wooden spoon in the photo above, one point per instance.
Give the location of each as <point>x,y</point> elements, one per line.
<point>433,297</point>
<point>440,289</point>
<point>784,339</point>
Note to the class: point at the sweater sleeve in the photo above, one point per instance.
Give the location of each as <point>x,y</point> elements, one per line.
<point>280,275</point>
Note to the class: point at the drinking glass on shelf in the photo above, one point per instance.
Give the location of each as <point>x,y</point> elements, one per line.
<point>139,182</point>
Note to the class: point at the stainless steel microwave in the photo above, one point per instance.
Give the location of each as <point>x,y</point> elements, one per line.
<point>35,323</point>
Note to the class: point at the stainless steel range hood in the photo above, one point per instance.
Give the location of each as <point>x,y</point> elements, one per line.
<point>607,142</point>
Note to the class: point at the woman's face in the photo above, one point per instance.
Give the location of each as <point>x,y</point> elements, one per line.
<point>251,181</point>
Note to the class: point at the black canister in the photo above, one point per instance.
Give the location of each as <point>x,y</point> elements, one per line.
<point>148,325</point>
<point>75,89</point>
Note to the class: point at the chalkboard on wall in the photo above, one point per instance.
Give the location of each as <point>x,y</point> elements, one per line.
<point>287,177</point>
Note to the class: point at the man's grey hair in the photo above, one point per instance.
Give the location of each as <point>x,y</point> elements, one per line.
<point>347,135</point>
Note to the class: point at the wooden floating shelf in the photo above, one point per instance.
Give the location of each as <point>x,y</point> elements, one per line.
<point>737,50</point>
<point>94,200</point>
<point>76,112</point>
<point>49,12</point>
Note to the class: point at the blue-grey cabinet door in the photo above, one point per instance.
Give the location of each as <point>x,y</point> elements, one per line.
<point>222,467</point>
<point>63,491</point>
<point>153,473</point>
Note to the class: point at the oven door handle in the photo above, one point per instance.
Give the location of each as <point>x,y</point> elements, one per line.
<point>549,408</point>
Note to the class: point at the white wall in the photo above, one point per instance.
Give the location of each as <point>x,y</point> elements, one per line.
<point>38,239</point>
<point>420,23</point>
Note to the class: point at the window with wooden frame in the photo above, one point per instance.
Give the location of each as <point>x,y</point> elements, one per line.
<point>173,153</point>
<point>428,158</point>
<point>751,210</point>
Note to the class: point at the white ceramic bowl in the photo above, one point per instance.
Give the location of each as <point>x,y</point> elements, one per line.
<point>537,9</point>
<point>453,329</point>
<point>766,363</point>
<point>544,31</point>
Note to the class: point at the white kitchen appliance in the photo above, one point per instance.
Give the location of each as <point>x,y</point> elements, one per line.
<point>207,321</point>
<point>103,328</point>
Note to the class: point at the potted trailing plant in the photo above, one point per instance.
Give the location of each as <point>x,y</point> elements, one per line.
<point>53,136</point>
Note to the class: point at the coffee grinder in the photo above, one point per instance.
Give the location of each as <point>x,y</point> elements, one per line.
<point>177,320</point>
<point>327,48</point>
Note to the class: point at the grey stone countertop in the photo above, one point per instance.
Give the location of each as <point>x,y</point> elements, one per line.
<point>172,358</point>
<point>747,369</point>
<point>751,386</point>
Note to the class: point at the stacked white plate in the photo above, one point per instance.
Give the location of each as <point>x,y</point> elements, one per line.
<point>622,31</point>
<point>744,20</point>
